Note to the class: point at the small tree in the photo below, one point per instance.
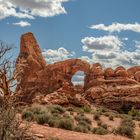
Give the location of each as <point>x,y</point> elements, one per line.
<point>7,75</point>
<point>10,124</point>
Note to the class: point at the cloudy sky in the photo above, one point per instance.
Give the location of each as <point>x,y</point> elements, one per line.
<point>104,31</point>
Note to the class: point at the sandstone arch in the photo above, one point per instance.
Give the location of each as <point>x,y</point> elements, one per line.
<point>37,77</point>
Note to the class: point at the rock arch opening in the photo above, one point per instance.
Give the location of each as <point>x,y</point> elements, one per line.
<point>78,78</point>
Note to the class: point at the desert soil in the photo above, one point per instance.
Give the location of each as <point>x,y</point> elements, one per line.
<point>45,132</point>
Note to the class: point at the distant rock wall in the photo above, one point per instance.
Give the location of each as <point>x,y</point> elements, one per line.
<point>110,87</point>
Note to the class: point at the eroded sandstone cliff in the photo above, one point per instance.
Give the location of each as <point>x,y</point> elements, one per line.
<point>114,88</point>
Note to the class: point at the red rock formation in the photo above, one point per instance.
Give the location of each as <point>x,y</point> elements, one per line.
<point>109,72</point>
<point>36,77</point>
<point>115,89</point>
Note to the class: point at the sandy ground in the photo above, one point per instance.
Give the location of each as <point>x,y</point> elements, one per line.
<point>45,132</point>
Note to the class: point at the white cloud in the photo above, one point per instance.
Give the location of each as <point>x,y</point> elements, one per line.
<point>137,44</point>
<point>117,27</point>
<point>31,8</point>
<point>61,54</point>
<point>78,78</point>
<point>109,51</point>
<point>22,24</point>
<point>105,43</point>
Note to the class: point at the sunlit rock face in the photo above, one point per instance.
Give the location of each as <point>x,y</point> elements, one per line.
<point>114,88</point>
<point>35,77</point>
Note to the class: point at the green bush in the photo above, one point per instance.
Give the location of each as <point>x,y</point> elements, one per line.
<point>101,124</point>
<point>86,109</point>
<point>56,109</point>
<point>128,121</point>
<point>81,128</point>
<point>101,110</point>
<point>82,117</point>
<point>67,116</point>
<point>100,131</point>
<point>85,124</point>
<point>134,112</point>
<point>126,128</point>
<point>66,124</point>
<point>70,109</point>
<point>53,122</point>
<point>38,109</point>
<point>42,118</point>
<point>104,126</point>
<point>28,115</point>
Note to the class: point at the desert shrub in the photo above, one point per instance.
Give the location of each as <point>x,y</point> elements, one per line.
<point>128,121</point>
<point>104,126</point>
<point>100,131</point>
<point>86,108</point>
<point>83,127</point>
<point>37,109</point>
<point>79,110</point>
<point>134,112</point>
<point>66,124</point>
<point>82,117</point>
<point>126,128</point>
<point>137,136</point>
<point>53,122</point>
<point>111,118</point>
<point>42,118</point>
<point>101,110</point>
<point>96,116</point>
<point>101,124</point>
<point>85,124</point>
<point>28,115</point>
<point>70,109</point>
<point>56,109</point>
<point>66,115</point>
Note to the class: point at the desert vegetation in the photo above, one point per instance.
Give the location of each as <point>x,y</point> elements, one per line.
<point>10,124</point>
<point>79,120</point>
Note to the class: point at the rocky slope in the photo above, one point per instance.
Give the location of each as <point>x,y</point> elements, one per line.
<point>114,88</point>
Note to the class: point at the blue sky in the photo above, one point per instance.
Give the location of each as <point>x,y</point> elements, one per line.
<point>104,31</point>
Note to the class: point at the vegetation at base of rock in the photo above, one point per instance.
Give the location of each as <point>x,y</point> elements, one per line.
<point>59,117</point>
<point>126,128</point>
<point>42,118</point>
<point>82,117</point>
<point>10,123</point>
<point>100,131</point>
<point>134,112</point>
<point>28,115</point>
<point>66,123</point>
<point>86,108</point>
<point>56,109</point>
